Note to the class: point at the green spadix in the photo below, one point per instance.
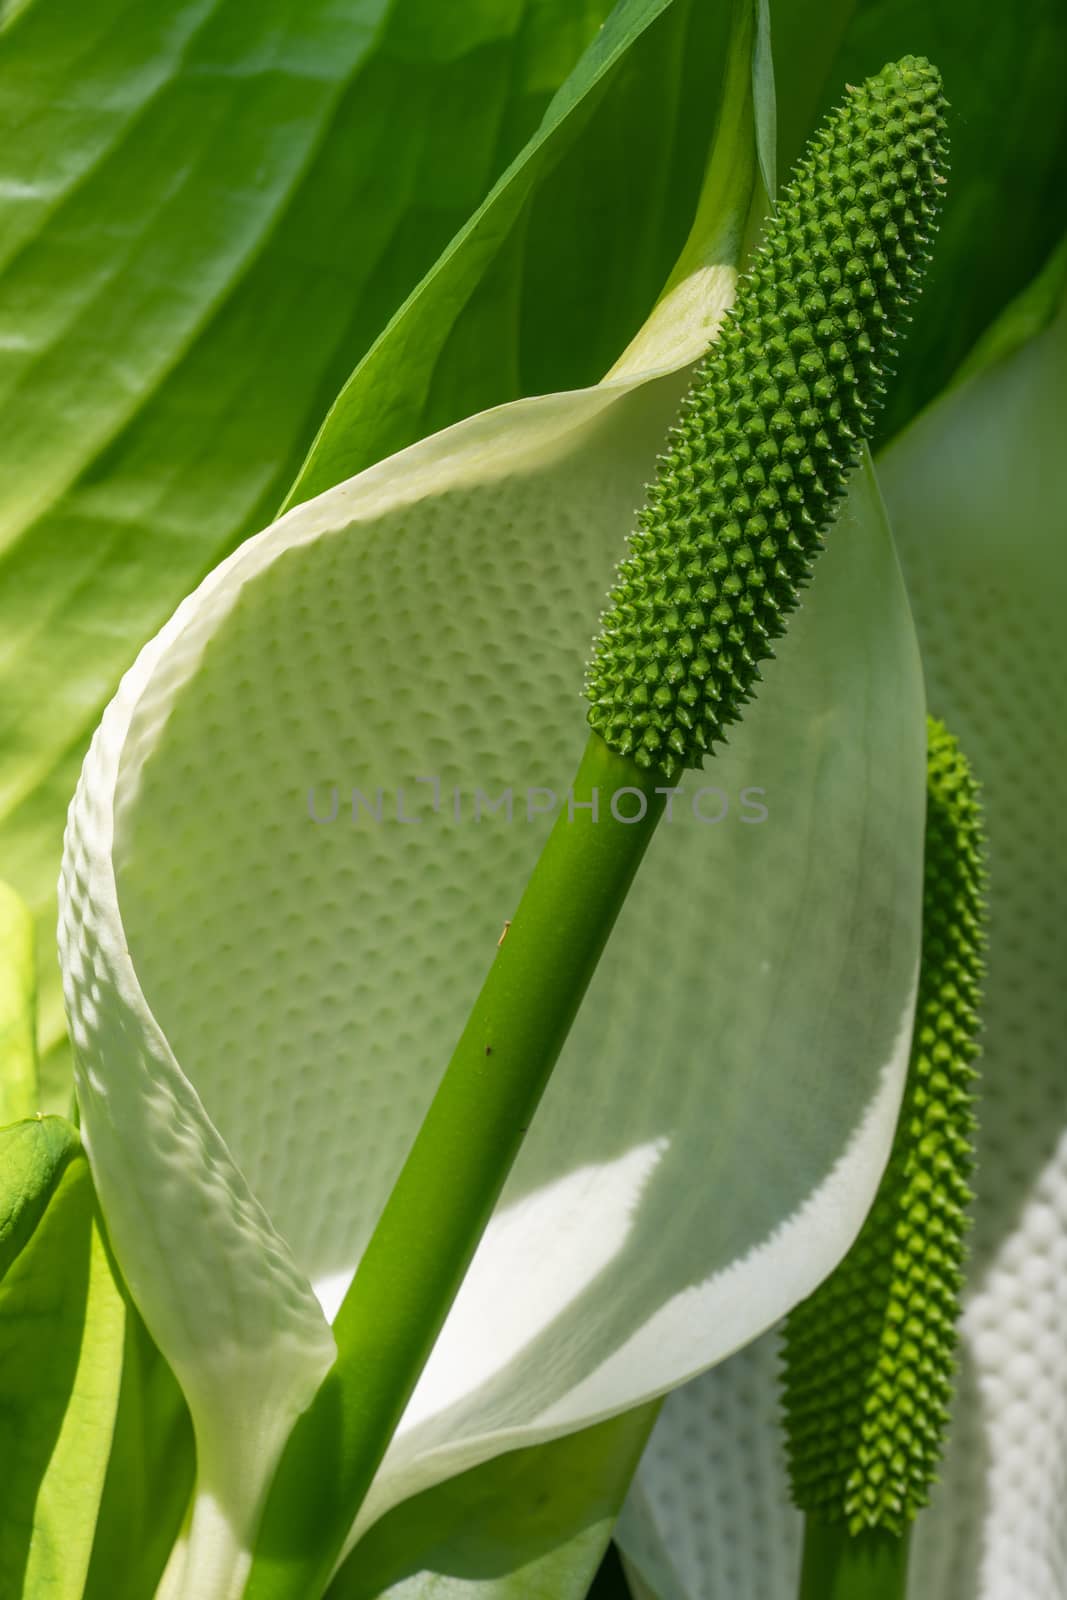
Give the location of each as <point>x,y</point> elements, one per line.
<point>869,1357</point>
<point>771,428</point>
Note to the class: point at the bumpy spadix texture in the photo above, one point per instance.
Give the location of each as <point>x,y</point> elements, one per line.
<point>869,1357</point>
<point>771,427</point>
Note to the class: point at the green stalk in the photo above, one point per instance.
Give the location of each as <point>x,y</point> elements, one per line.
<point>838,1565</point>
<point>417,1256</point>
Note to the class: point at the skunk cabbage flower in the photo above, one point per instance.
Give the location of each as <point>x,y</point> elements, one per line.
<point>299,831</point>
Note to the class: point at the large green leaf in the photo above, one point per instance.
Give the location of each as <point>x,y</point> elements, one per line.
<point>563,261</point>
<point>36,1153</point>
<point>208,208</point>
<point>150,1475</point>
<point>61,1325</point>
<point>806,36</point>
<point>1006,203</point>
<point>18,1008</point>
<point>978,492</point>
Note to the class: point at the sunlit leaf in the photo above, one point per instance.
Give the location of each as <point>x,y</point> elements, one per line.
<point>522,302</point>
<point>1006,204</point>
<point>150,1475</point>
<point>61,1323</point>
<point>18,1009</point>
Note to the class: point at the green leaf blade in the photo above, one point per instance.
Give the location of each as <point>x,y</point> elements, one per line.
<point>18,1008</point>
<point>150,1474</point>
<point>637,113</point>
<point>36,1153</point>
<point>1006,204</point>
<point>61,1321</point>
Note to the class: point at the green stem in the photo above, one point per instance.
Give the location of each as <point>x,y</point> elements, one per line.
<point>420,1250</point>
<point>838,1565</point>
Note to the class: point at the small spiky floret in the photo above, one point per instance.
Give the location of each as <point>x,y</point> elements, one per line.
<point>869,1357</point>
<point>771,427</point>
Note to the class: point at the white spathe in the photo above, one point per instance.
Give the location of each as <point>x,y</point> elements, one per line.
<point>261,1004</point>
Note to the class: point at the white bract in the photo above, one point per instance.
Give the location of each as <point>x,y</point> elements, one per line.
<point>261,1003</point>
